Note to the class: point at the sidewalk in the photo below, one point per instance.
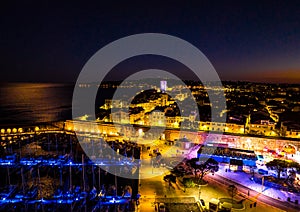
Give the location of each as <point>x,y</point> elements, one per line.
<point>244,179</point>
<point>157,188</point>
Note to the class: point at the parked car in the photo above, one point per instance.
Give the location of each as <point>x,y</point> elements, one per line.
<point>162,207</point>
<point>202,204</point>
<point>262,172</point>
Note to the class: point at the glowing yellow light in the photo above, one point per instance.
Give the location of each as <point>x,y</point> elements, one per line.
<point>176,125</point>
<point>140,132</point>
<point>36,128</point>
<point>2,130</point>
<point>14,130</point>
<point>20,130</point>
<point>8,130</point>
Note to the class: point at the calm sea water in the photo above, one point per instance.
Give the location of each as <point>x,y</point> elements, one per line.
<point>31,103</point>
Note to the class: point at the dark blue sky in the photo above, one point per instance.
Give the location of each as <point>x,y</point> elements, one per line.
<point>244,41</point>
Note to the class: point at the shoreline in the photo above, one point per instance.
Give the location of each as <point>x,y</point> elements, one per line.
<point>60,124</point>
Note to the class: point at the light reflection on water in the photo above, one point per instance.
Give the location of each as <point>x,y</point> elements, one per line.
<point>29,103</point>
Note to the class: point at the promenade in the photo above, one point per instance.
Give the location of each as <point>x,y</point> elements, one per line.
<point>153,186</point>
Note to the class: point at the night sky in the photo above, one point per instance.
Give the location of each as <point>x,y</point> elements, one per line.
<point>51,42</point>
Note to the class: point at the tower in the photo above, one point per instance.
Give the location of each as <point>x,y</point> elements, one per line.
<point>163,86</point>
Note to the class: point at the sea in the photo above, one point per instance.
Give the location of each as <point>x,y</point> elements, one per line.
<point>30,104</point>
<point>23,104</point>
<point>33,103</point>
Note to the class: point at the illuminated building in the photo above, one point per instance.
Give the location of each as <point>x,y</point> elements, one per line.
<point>163,86</point>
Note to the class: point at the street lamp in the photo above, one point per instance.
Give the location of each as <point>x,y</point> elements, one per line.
<point>155,200</point>
<point>262,183</point>
<point>199,192</point>
<point>152,164</point>
<point>252,171</point>
<point>36,129</point>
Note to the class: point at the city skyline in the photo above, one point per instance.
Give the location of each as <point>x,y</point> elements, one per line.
<point>145,106</point>
<point>51,42</point>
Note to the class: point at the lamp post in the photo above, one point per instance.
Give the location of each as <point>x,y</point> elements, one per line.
<point>199,192</point>
<point>152,164</point>
<point>36,129</point>
<point>262,183</point>
<point>155,200</point>
<point>252,171</point>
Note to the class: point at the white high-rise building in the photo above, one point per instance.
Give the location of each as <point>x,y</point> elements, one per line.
<point>163,86</point>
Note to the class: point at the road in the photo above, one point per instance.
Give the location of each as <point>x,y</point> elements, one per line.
<point>153,186</point>
<point>153,189</point>
<point>260,198</point>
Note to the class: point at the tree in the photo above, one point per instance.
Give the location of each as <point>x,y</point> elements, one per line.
<point>177,172</point>
<point>232,191</point>
<point>188,183</point>
<point>294,165</point>
<point>294,168</point>
<point>170,178</point>
<point>279,166</point>
<point>203,166</point>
